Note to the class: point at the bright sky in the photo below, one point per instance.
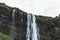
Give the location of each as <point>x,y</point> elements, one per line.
<point>38,7</point>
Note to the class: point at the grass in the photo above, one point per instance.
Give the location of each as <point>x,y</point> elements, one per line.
<point>4,37</point>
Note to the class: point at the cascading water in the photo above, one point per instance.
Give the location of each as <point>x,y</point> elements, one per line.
<point>13,29</point>
<point>31,33</point>
<point>34,29</point>
<point>28,27</point>
<point>31,28</point>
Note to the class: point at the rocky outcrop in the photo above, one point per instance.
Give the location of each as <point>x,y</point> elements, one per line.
<point>49,28</point>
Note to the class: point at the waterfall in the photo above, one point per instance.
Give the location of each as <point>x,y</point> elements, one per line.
<point>34,29</point>
<point>32,33</point>
<point>13,28</point>
<point>28,27</point>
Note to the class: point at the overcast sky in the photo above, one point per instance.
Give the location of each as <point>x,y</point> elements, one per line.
<point>38,7</point>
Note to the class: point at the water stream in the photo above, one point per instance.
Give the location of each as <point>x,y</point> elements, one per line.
<point>13,28</point>
<point>32,33</point>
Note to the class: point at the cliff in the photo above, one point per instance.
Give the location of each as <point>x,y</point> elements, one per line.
<point>49,28</point>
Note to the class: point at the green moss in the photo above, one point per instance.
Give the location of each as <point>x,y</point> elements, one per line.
<point>4,37</point>
<point>7,9</point>
<point>4,29</point>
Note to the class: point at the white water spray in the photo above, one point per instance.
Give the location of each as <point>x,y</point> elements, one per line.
<point>28,27</point>
<point>32,33</point>
<point>34,28</point>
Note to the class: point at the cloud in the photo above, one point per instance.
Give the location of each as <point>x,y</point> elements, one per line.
<point>38,7</point>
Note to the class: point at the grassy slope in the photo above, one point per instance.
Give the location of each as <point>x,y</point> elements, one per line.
<point>4,37</point>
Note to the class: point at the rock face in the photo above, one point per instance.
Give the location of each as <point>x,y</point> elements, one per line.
<point>6,21</point>
<point>49,28</point>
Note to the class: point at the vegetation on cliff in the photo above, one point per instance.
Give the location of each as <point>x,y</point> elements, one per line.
<point>4,37</point>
